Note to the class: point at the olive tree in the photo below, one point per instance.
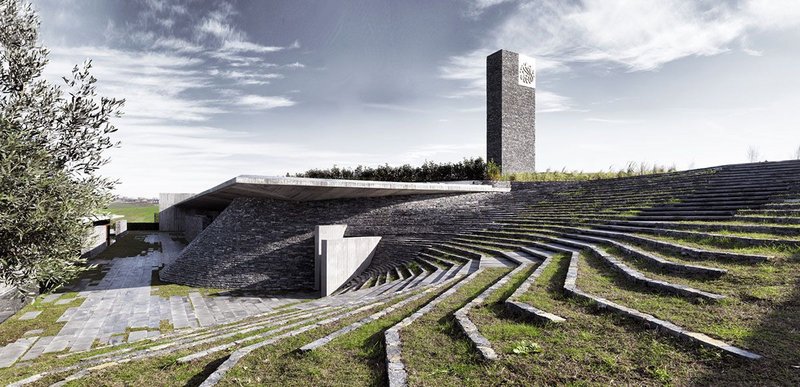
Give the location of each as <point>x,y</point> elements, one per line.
<point>52,140</point>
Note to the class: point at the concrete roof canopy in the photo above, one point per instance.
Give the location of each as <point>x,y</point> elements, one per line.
<point>307,189</point>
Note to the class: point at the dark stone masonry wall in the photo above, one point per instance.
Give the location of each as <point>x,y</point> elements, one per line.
<point>268,244</point>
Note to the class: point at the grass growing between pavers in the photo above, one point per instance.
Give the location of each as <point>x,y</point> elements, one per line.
<point>14,328</point>
<point>355,359</point>
<point>131,244</point>
<point>759,235</point>
<point>155,365</point>
<point>750,324</point>
<point>587,349</point>
<point>49,362</point>
<point>434,349</point>
<point>778,251</point>
<point>737,223</point>
<point>771,281</point>
<point>575,352</point>
<point>166,371</point>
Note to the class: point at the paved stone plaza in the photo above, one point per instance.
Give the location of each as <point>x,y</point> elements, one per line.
<point>121,308</point>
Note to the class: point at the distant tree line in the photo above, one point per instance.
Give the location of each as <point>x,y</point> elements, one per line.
<point>469,169</point>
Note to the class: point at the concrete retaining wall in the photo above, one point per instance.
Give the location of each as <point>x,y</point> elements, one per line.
<point>342,259</point>
<point>120,228</point>
<point>334,231</point>
<point>171,218</point>
<point>97,241</point>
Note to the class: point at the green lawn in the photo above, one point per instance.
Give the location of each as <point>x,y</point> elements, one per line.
<point>134,212</point>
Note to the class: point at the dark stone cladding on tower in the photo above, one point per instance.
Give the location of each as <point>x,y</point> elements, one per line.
<point>510,115</point>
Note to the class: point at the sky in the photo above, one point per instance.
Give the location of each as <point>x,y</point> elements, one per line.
<point>216,89</point>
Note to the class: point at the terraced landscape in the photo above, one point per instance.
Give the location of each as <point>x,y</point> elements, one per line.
<point>685,278</point>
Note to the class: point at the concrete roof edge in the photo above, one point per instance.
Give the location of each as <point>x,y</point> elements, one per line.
<point>217,187</point>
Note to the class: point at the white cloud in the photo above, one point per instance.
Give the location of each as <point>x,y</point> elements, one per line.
<point>204,155</point>
<point>214,26</point>
<point>419,154</point>
<point>153,84</point>
<point>773,14</point>
<point>264,102</point>
<point>477,7</point>
<point>246,77</point>
<point>611,121</point>
<point>634,35</point>
<point>394,107</point>
<point>549,102</point>
<point>233,41</point>
<point>244,46</point>
<point>175,44</point>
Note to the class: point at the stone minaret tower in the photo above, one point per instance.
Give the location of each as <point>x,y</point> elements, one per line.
<point>511,111</point>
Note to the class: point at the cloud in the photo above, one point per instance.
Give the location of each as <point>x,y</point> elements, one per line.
<point>549,102</point>
<point>632,35</point>
<point>264,102</point>
<point>611,121</point>
<point>176,44</point>
<point>246,78</point>
<point>154,84</point>
<point>393,107</point>
<point>244,46</point>
<point>440,152</point>
<point>205,156</point>
<point>217,24</point>
<point>477,7</point>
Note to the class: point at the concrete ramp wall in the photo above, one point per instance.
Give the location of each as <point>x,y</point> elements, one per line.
<point>339,259</point>
<point>170,217</point>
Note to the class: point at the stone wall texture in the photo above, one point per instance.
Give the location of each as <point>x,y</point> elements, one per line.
<point>510,115</point>
<point>265,244</point>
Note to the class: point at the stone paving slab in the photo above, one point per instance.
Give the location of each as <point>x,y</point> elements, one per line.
<point>52,297</point>
<point>34,332</point>
<point>138,336</point>
<point>58,344</point>
<point>10,353</point>
<point>37,348</point>
<point>30,315</point>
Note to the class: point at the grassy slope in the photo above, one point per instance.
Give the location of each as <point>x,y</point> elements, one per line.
<point>354,357</point>
<point>134,212</point>
<point>588,349</point>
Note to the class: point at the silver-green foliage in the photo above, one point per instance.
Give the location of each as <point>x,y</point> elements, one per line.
<point>52,141</point>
